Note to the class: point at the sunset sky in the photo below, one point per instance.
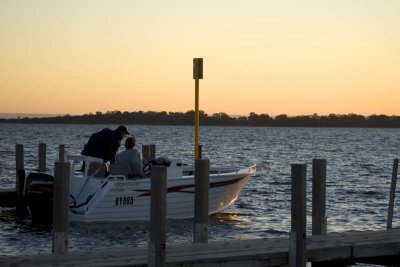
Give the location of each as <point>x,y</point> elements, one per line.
<point>264,56</point>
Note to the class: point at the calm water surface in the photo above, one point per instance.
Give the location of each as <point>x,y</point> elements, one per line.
<point>358,180</point>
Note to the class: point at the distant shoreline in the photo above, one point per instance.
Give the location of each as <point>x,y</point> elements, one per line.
<point>27,115</point>
<point>216,119</point>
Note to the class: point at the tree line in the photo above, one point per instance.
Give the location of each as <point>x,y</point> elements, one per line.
<point>218,119</point>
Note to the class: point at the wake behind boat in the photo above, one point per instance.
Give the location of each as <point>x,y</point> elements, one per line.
<point>99,197</point>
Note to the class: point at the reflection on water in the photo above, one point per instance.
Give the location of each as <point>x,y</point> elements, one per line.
<point>7,216</point>
<point>20,237</point>
<point>93,236</point>
<point>233,218</point>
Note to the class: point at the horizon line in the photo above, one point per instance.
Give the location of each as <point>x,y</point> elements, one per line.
<point>10,115</point>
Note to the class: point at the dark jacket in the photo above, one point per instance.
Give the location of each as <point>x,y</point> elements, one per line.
<point>103,145</point>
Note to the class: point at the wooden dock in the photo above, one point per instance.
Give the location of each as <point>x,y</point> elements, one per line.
<point>334,249</point>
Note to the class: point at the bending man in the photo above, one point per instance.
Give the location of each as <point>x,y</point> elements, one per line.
<point>105,144</point>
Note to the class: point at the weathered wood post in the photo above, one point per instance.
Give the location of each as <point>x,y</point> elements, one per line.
<point>392,193</point>
<point>148,153</point>
<point>61,207</point>
<point>319,225</point>
<point>152,151</point>
<point>145,153</point>
<point>158,217</point>
<point>20,180</point>
<point>297,238</point>
<point>19,159</point>
<point>202,185</point>
<point>42,157</point>
<point>61,153</point>
<point>200,151</point>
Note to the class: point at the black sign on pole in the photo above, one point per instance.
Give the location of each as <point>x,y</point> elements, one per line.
<point>197,68</point>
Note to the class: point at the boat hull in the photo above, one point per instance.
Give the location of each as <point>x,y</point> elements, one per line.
<point>116,199</point>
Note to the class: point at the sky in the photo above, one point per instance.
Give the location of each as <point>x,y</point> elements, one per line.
<point>294,57</point>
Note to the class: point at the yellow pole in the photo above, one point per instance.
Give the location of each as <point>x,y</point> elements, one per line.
<point>197,74</point>
<point>196,121</point>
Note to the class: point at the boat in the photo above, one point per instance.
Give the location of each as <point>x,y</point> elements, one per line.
<point>98,195</point>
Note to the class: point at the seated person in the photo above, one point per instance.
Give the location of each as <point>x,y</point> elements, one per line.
<point>131,157</point>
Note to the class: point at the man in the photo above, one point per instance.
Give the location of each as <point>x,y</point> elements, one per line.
<point>105,144</point>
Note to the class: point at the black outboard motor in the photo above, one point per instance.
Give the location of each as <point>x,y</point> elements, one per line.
<point>39,197</point>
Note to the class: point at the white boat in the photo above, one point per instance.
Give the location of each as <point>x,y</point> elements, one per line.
<point>95,198</point>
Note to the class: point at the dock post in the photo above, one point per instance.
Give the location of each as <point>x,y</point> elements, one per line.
<point>61,207</point>
<point>148,153</point>
<point>202,185</point>
<point>319,225</point>
<point>152,151</point>
<point>42,157</point>
<point>61,153</point>
<point>158,217</point>
<point>20,180</point>
<point>297,240</point>
<point>200,151</point>
<point>392,193</point>
<point>145,153</point>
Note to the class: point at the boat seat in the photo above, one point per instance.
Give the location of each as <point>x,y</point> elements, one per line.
<point>120,169</point>
<point>97,169</point>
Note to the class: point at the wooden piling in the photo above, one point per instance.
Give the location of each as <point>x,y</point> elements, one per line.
<point>392,193</point>
<point>297,247</point>
<point>61,207</point>
<point>19,157</point>
<point>145,153</point>
<point>200,151</point>
<point>292,249</point>
<point>148,153</point>
<point>152,152</point>
<point>319,225</point>
<point>158,217</point>
<point>202,185</point>
<point>21,207</point>
<point>61,153</point>
<point>19,165</point>
<point>42,157</point>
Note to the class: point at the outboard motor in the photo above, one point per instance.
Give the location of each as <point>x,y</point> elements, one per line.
<point>39,197</point>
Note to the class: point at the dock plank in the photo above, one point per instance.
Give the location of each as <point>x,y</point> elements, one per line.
<point>256,252</point>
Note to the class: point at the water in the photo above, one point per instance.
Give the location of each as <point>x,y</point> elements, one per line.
<point>359,166</point>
